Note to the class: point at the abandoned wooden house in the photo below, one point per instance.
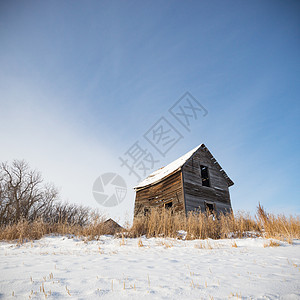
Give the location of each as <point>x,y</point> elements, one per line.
<point>193,182</point>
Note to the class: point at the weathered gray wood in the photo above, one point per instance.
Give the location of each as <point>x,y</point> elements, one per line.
<point>169,189</point>
<point>184,187</point>
<point>195,194</point>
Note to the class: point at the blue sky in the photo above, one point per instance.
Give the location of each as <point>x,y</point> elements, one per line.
<point>81,81</point>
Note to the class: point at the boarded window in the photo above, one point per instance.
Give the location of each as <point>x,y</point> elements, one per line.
<point>204,176</point>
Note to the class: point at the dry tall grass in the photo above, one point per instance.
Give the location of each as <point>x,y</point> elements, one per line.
<point>278,227</point>
<point>25,230</point>
<point>165,223</point>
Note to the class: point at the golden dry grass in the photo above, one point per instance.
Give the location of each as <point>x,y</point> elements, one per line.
<point>165,223</point>
<point>26,231</point>
<point>278,227</point>
<point>271,243</point>
<point>234,245</point>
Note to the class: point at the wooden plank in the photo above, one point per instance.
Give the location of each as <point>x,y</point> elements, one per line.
<point>183,193</point>
<point>195,194</point>
<point>170,189</point>
<point>184,187</point>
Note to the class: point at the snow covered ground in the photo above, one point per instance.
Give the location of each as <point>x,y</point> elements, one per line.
<point>62,268</point>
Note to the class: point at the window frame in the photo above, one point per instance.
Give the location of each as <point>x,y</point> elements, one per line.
<point>206,203</point>
<point>166,204</point>
<point>208,175</point>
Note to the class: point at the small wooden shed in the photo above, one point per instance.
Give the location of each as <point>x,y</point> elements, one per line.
<point>195,181</point>
<point>112,227</point>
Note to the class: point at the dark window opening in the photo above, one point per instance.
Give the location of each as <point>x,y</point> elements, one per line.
<point>169,205</point>
<point>146,211</point>
<point>204,176</point>
<point>209,207</point>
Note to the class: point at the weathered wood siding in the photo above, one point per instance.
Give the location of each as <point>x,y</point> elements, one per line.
<point>170,189</point>
<point>194,193</point>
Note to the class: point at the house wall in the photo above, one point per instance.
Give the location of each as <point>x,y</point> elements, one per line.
<point>195,194</point>
<point>170,189</point>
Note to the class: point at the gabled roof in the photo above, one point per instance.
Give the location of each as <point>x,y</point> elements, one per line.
<point>112,226</point>
<point>175,166</point>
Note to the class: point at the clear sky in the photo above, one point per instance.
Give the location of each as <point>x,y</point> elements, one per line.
<point>82,81</point>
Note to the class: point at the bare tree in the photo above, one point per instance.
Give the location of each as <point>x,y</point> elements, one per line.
<point>71,214</point>
<point>23,194</point>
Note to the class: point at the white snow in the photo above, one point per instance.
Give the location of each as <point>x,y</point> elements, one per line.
<point>167,170</point>
<point>161,269</point>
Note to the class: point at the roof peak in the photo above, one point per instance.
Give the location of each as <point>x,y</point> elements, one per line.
<point>168,169</point>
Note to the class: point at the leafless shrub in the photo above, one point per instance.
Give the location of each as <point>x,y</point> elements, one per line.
<point>23,194</point>
<point>25,230</point>
<point>30,209</point>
